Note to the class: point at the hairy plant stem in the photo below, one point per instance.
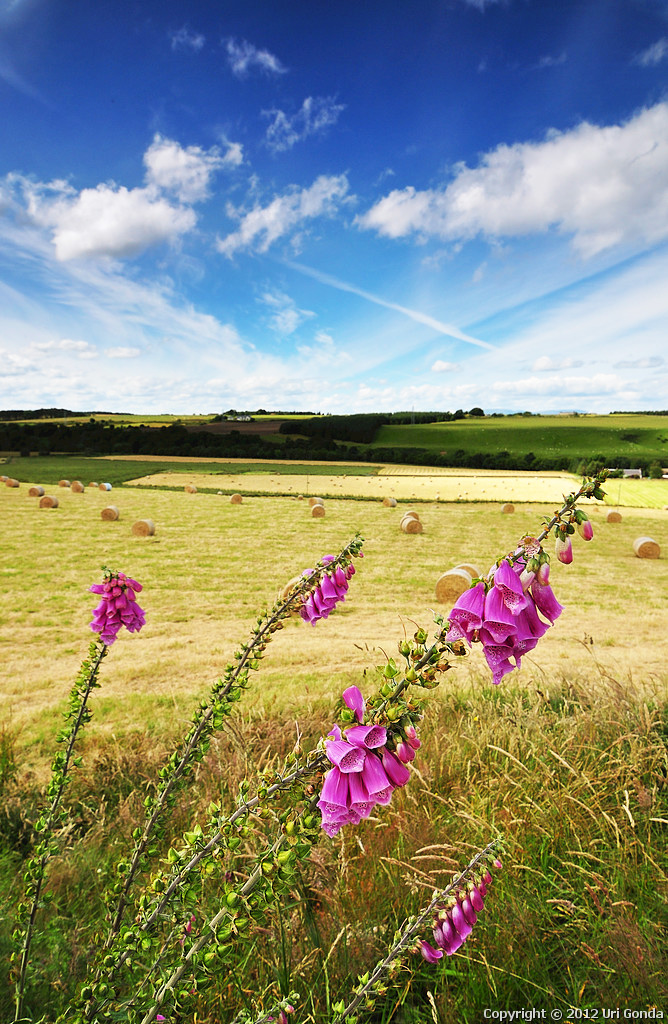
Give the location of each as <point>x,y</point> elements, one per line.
<point>410,931</point>
<point>60,778</point>
<point>262,635</point>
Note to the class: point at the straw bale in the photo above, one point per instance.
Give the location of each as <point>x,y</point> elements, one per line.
<point>315,501</point>
<point>236,499</point>
<point>411,525</point>
<point>390,502</point>
<point>190,489</point>
<point>143,528</point>
<point>77,487</point>
<point>411,512</point>
<point>286,591</point>
<point>4,478</point>
<point>63,483</point>
<point>317,511</point>
<point>11,482</point>
<point>93,483</point>
<point>472,570</point>
<point>104,487</point>
<point>451,585</point>
<point>508,508</point>
<point>48,501</point>
<point>300,497</point>
<point>613,517</point>
<point>645,547</point>
<point>110,513</point>
<point>36,492</point>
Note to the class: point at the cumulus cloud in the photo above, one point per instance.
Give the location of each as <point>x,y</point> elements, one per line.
<point>243,57</point>
<point>440,366</point>
<point>653,55</point>
<point>316,114</point>
<point>186,172</point>
<point>109,221</point>
<point>185,39</point>
<point>286,316</point>
<point>263,225</point>
<point>548,363</point>
<point>603,186</point>
<point>78,348</point>
<point>112,220</point>
<point>565,386</point>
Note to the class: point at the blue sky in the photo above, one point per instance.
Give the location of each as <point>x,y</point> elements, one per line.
<point>340,207</point>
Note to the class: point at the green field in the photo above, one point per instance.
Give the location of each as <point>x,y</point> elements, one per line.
<point>567,758</point>
<point>627,437</point>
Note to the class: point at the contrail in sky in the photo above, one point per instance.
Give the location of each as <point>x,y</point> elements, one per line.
<point>413,314</point>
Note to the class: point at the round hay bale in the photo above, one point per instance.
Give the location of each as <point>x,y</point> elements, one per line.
<point>11,482</point>
<point>236,499</point>
<point>452,585</point>
<point>318,511</point>
<point>48,501</point>
<point>77,487</point>
<point>411,525</point>
<point>3,478</point>
<point>315,501</point>
<point>508,508</point>
<point>143,528</point>
<point>613,517</point>
<point>93,483</point>
<point>409,517</point>
<point>472,570</point>
<point>36,492</point>
<point>104,487</point>
<point>645,547</point>
<point>110,514</point>
<point>390,502</point>
<point>63,483</point>
<point>190,489</point>
<point>411,512</point>
<point>300,497</point>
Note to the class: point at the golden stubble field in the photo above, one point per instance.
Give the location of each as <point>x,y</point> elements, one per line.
<point>211,567</point>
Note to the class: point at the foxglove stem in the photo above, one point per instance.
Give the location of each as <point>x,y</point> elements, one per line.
<point>204,725</point>
<point>59,780</point>
<point>410,931</point>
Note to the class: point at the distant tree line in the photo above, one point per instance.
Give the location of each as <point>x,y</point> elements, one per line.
<point>96,438</point>
<point>361,428</point>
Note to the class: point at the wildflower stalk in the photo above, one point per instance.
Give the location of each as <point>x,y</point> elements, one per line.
<point>225,692</point>
<point>53,818</point>
<point>410,931</point>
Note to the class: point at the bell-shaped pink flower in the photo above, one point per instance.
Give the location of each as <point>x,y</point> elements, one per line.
<point>355,701</point>
<point>564,550</point>
<point>467,613</point>
<point>546,602</point>
<point>431,955</point>
<point>499,621</point>
<point>367,736</point>
<point>345,756</point>
<point>396,770</point>
<point>508,583</point>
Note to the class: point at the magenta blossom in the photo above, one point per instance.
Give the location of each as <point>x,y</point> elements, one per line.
<point>504,615</point>
<point>331,589</point>
<point>564,550</point>
<point>586,530</point>
<point>364,771</point>
<point>118,606</point>
<point>453,924</point>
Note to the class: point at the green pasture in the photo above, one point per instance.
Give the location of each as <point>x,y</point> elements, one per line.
<point>617,436</point>
<point>567,757</point>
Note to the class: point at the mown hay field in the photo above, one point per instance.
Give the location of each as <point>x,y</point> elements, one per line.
<point>211,566</point>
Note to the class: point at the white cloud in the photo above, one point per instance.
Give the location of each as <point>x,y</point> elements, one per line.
<point>124,352</point>
<point>316,114</point>
<point>604,186</point>
<point>653,55</point>
<point>110,221</point>
<point>243,57</point>
<point>185,39</point>
<point>185,172</point>
<point>584,387</point>
<point>440,366</point>
<point>644,363</point>
<point>545,363</point>
<point>263,225</point>
<point>286,316</point>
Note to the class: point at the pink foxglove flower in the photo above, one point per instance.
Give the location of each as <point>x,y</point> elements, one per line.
<point>564,550</point>
<point>118,606</point>
<point>330,591</point>
<point>586,530</point>
<point>454,923</point>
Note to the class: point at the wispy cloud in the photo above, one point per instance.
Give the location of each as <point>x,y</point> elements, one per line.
<point>316,114</point>
<point>653,55</point>
<point>186,171</point>
<point>185,39</point>
<point>412,314</point>
<point>243,58</point>
<point>285,315</point>
<point>260,227</point>
<point>604,186</point>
